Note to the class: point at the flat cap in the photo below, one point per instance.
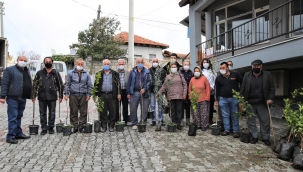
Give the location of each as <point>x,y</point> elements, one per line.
<point>256,62</point>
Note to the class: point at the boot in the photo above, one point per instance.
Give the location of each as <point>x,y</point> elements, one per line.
<point>159,126</point>
<point>187,121</point>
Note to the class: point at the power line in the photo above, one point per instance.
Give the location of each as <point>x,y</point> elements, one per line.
<point>156,9</point>
<point>85,5</point>
<point>117,6</point>
<point>158,26</point>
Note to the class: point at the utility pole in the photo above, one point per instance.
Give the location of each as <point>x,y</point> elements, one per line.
<point>1,18</point>
<point>95,38</point>
<point>131,42</point>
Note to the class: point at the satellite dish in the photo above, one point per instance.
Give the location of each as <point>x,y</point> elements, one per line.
<point>53,51</point>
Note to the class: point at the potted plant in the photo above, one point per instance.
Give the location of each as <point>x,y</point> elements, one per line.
<point>215,128</point>
<point>33,129</point>
<point>60,124</point>
<point>142,125</point>
<point>88,127</point>
<point>244,106</point>
<point>67,129</point>
<point>171,126</point>
<point>99,103</point>
<point>120,124</point>
<point>194,97</point>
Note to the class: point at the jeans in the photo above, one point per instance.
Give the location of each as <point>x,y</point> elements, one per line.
<point>135,99</point>
<point>51,105</point>
<point>153,108</point>
<point>15,108</point>
<point>229,106</point>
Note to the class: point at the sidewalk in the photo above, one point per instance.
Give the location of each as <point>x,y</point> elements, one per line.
<point>133,151</point>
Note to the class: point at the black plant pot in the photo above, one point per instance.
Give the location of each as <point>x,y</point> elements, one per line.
<point>67,130</point>
<point>215,130</point>
<point>87,128</point>
<point>120,127</point>
<point>171,127</point>
<point>298,161</point>
<point>150,115</point>
<point>245,136</point>
<point>192,131</point>
<point>277,148</point>
<point>33,129</point>
<point>97,125</point>
<point>141,128</point>
<point>59,128</point>
<point>286,151</point>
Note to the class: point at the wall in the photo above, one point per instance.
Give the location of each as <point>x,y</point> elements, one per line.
<point>145,51</point>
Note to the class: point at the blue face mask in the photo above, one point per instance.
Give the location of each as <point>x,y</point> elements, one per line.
<point>140,66</point>
<point>106,67</point>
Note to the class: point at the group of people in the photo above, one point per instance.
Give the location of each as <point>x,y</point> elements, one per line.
<point>174,87</point>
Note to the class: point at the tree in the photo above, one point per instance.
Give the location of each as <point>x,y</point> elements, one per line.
<point>106,46</point>
<point>32,55</point>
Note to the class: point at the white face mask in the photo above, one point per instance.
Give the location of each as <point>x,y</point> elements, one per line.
<point>121,67</point>
<point>173,70</point>
<point>79,68</point>
<point>205,65</point>
<point>197,74</point>
<point>230,67</point>
<point>223,72</point>
<point>155,65</point>
<point>186,67</point>
<point>22,63</point>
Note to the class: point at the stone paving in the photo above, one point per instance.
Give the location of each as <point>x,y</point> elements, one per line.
<point>133,151</point>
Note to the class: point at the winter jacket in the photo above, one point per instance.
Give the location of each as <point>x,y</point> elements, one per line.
<point>75,87</point>
<point>115,82</point>
<point>12,83</point>
<point>48,85</point>
<point>175,85</point>
<point>130,88</point>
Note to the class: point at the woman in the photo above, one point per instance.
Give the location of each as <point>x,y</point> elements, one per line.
<point>211,75</point>
<point>187,74</point>
<point>199,86</point>
<point>176,88</point>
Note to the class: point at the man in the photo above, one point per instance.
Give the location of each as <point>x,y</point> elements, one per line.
<point>16,87</point>
<point>109,91</point>
<point>158,76</point>
<point>47,84</point>
<point>187,74</point>
<point>259,90</point>
<point>226,82</point>
<point>123,75</point>
<point>138,90</point>
<point>77,88</point>
<point>173,59</point>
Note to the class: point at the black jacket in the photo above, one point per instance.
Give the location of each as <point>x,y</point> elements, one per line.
<point>268,86</point>
<point>115,82</point>
<point>160,75</point>
<point>167,68</point>
<point>50,85</point>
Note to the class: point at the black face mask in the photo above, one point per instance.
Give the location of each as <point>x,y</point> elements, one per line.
<point>256,70</point>
<point>48,65</point>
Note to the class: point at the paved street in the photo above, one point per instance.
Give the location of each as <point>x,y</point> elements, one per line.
<point>133,151</point>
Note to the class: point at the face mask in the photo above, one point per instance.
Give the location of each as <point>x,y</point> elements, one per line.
<point>256,70</point>
<point>230,67</point>
<point>223,72</point>
<point>140,65</point>
<point>121,67</point>
<point>173,70</point>
<point>106,67</point>
<point>22,63</point>
<point>205,65</point>
<point>186,67</point>
<point>173,60</point>
<point>155,65</point>
<point>197,74</point>
<point>79,68</point>
<point>48,65</point>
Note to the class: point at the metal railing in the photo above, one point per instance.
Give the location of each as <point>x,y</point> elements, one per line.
<point>286,19</point>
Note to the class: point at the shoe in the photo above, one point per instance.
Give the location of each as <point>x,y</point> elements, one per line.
<point>253,140</point>
<point>103,129</point>
<point>12,141</point>
<point>23,136</point>
<point>179,127</point>
<point>187,121</point>
<point>153,123</point>
<point>224,133</point>
<point>203,128</point>
<point>266,142</point>
<point>111,129</point>
<point>43,132</point>
<point>75,131</point>
<point>134,127</point>
<point>199,128</point>
<point>236,135</point>
<point>51,131</point>
<point>163,123</point>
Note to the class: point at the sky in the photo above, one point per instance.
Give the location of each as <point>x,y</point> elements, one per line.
<point>42,25</point>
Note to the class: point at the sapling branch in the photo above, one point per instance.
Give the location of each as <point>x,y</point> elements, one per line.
<point>36,85</point>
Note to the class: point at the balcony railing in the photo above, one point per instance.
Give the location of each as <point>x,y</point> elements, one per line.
<point>286,19</point>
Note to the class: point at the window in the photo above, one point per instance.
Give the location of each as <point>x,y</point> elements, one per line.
<point>137,55</point>
<point>296,17</point>
<point>151,56</point>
